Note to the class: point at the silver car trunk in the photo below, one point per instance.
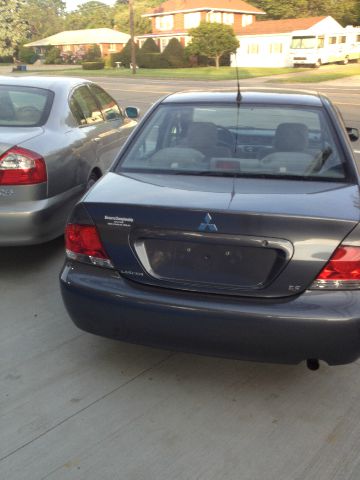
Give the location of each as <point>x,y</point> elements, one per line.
<point>215,235</point>
<point>10,136</point>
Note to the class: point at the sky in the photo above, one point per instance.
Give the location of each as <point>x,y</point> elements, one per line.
<point>73,4</point>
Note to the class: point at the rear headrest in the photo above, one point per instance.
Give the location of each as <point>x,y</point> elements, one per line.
<point>201,134</point>
<point>291,137</point>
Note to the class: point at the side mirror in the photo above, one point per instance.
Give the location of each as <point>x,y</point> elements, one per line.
<point>353,133</point>
<point>132,112</point>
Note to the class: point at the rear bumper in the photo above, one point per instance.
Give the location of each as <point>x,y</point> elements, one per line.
<point>35,221</point>
<point>323,325</point>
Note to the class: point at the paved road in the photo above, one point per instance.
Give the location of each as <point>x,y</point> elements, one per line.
<point>75,406</point>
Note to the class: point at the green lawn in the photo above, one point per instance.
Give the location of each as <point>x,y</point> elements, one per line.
<point>323,74</point>
<point>203,73</point>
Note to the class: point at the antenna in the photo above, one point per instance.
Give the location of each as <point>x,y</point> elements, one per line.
<point>238,96</point>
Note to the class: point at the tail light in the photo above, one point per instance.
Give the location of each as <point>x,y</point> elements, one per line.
<point>83,244</point>
<point>19,166</point>
<point>342,270</point>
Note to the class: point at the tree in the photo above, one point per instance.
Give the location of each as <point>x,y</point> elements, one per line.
<point>90,15</point>
<point>344,12</point>
<point>141,25</point>
<point>45,17</point>
<point>212,40</point>
<point>14,29</point>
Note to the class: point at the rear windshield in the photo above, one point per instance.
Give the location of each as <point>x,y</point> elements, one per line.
<point>253,140</point>
<point>24,106</point>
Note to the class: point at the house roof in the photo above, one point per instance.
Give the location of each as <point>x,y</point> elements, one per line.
<point>172,6</point>
<point>82,37</point>
<point>281,26</point>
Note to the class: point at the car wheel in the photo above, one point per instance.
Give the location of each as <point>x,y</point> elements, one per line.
<point>94,177</point>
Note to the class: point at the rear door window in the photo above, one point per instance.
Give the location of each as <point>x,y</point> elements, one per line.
<point>84,107</point>
<point>109,108</point>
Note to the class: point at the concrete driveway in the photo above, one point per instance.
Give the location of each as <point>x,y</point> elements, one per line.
<point>75,406</point>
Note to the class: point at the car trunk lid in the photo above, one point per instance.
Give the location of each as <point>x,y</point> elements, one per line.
<point>216,235</point>
<point>11,136</point>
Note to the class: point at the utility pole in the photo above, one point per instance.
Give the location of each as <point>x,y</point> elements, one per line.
<point>132,36</point>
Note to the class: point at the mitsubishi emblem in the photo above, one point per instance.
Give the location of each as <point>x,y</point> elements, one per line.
<point>207,224</point>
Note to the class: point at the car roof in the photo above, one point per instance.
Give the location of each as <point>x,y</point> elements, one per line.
<point>261,96</point>
<point>47,82</point>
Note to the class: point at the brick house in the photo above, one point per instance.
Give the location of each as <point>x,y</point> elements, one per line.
<point>74,41</point>
<point>174,18</point>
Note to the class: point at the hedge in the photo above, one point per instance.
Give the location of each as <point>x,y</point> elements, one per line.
<point>99,65</point>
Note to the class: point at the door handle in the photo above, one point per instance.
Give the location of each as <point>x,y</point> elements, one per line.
<point>96,139</point>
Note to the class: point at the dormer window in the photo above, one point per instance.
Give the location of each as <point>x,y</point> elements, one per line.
<point>164,22</point>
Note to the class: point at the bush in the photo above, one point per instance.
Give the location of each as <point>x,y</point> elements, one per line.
<point>27,55</point>
<point>93,54</point>
<point>98,65</point>
<point>115,57</point>
<point>6,59</point>
<point>125,55</point>
<point>52,55</point>
<point>150,46</point>
<point>152,60</point>
<point>174,54</point>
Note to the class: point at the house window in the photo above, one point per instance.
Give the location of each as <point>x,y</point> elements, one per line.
<point>164,22</point>
<point>112,47</point>
<point>228,18</point>
<point>67,48</point>
<point>253,48</point>
<point>215,17</point>
<point>192,20</point>
<point>342,39</point>
<point>275,48</point>
<point>332,40</point>
<point>246,20</point>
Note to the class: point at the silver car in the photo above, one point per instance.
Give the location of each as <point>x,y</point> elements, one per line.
<point>57,137</point>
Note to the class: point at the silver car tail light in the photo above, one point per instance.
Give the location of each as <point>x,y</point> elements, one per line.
<point>19,166</point>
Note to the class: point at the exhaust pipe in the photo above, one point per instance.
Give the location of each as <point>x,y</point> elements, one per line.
<point>313,364</point>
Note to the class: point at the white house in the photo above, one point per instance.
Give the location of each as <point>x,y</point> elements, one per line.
<point>267,43</point>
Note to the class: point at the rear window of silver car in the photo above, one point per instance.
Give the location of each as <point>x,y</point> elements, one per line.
<point>254,140</point>
<point>24,106</point>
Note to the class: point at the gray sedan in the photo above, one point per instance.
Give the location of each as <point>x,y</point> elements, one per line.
<point>57,137</point>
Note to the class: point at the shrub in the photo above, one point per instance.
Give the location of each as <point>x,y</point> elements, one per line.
<point>27,55</point>
<point>6,59</point>
<point>92,54</point>
<point>152,60</point>
<point>52,55</point>
<point>98,65</point>
<point>174,54</point>
<point>125,55</point>
<point>150,46</point>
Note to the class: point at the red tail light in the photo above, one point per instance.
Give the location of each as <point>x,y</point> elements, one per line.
<point>342,270</point>
<point>83,244</point>
<point>19,166</point>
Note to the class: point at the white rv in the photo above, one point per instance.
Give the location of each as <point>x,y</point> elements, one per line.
<point>316,49</point>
